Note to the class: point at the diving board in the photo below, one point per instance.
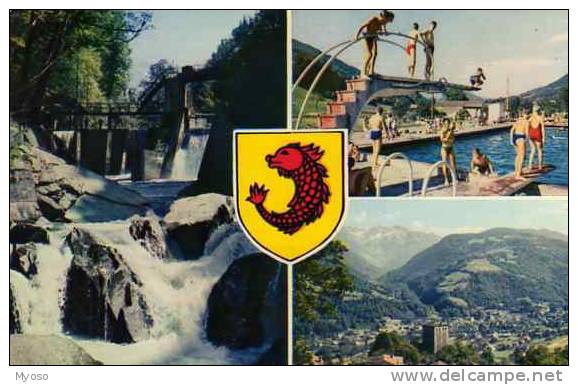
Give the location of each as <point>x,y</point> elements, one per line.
<point>348,103</point>
<point>493,186</point>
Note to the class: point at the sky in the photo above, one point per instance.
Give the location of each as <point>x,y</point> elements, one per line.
<point>448,216</point>
<point>182,38</point>
<point>529,47</point>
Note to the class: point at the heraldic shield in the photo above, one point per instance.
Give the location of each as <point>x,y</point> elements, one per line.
<point>290,189</point>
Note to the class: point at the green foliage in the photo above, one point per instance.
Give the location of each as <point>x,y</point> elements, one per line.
<point>456,94</point>
<point>318,280</point>
<point>541,355</point>
<point>487,357</point>
<point>460,353</point>
<point>393,343</point>
<point>301,353</point>
<point>69,55</point>
<point>251,68</point>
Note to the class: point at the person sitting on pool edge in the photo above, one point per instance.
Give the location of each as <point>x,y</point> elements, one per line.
<point>481,164</point>
<point>447,139</point>
<point>536,136</point>
<point>518,135</point>
<point>372,27</point>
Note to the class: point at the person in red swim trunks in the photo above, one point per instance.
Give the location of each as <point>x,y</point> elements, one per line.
<point>537,136</point>
<point>410,50</point>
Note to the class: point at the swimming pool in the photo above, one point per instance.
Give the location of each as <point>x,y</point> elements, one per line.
<point>497,147</point>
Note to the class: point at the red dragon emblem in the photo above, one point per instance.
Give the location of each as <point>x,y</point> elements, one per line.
<point>299,163</point>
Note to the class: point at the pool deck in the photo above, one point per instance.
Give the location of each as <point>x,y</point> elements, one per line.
<point>361,139</point>
<point>395,176</point>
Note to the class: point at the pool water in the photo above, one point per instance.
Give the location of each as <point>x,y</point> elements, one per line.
<point>497,147</point>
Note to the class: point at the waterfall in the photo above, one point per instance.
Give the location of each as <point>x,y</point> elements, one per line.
<point>39,299</point>
<point>176,292</point>
<point>189,156</point>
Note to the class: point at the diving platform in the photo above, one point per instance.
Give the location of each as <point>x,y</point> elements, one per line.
<point>348,103</point>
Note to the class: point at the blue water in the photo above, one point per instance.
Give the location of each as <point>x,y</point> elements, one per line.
<point>497,147</point>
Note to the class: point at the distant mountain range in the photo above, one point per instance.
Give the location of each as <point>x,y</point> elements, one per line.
<point>375,251</point>
<point>495,268</point>
<point>550,91</point>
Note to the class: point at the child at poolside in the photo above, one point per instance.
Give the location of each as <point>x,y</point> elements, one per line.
<point>518,135</point>
<point>447,139</point>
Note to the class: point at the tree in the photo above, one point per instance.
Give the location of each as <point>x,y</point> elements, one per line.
<point>456,94</point>
<point>487,356</point>
<point>47,48</point>
<point>460,353</point>
<point>319,279</point>
<point>541,355</point>
<point>392,343</point>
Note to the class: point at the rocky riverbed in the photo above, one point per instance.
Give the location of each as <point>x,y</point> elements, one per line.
<point>94,270</point>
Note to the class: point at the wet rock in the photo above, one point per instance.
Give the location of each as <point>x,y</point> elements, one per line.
<point>27,232</point>
<point>150,236</point>
<point>191,221</point>
<point>23,259</point>
<point>51,209</point>
<point>247,307</point>
<point>47,350</point>
<point>103,295</point>
<point>14,315</point>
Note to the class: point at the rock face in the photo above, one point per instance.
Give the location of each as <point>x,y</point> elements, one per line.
<point>23,259</point>
<point>46,184</point>
<point>47,350</point>
<point>190,221</point>
<point>26,232</point>
<point>150,236</point>
<point>14,315</point>
<point>103,296</point>
<point>247,306</point>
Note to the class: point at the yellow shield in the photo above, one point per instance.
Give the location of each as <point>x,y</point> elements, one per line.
<point>290,189</point>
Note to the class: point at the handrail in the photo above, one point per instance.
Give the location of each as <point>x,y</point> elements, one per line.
<point>382,169</point>
<point>313,62</point>
<point>322,54</point>
<point>430,171</point>
<point>332,58</point>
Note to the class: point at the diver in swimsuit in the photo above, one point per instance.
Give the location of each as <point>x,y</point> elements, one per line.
<point>536,134</point>
<point>427,38</point>
<point>372,27</point>
<point>447,139</point>
<point>478,79</point>
<point>518,135</point>
<point>410,50</point>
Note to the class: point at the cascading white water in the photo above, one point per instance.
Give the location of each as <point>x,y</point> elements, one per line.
<point>39,299</point>
<point>188,157</point>
<point>175,291</point>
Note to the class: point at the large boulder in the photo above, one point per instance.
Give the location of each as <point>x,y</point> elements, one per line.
<point>47,350</point>
<point>149,234</point>
<point>66,193</point>
<point>27,232</point>
<point>103,297</point>
<point>248,306</point>
<point>190,221</point>
<point>23,259</point>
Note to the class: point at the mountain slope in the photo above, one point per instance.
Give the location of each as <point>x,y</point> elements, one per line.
<point>333,79</point>
<point>495,268</point>
<point>549,91</point>
<point>376,250</point>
